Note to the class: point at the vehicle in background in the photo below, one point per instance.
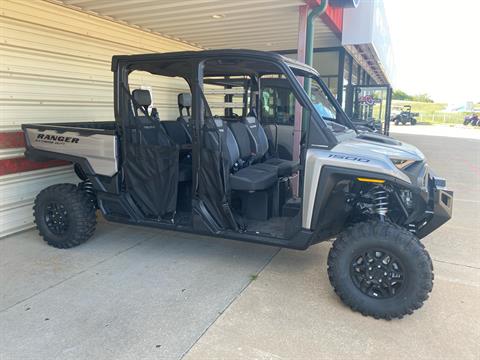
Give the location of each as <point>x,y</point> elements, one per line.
<point>405,116</point>
<point>472,119</point>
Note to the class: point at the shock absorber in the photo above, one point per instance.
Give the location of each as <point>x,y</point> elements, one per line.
<point>380,201</point>
<point>87,187</point>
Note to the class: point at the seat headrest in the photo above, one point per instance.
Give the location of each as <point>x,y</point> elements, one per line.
<point>185,100</point>
<point>142,97</point>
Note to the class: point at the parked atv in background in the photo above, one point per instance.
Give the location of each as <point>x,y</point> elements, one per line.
<point>405,116</point>
<point>472,119</point>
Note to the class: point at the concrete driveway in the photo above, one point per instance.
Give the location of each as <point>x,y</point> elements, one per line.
<point>135,293</point>
<point>291,312</point>
<point>456,131</point>
<point>128,293</point>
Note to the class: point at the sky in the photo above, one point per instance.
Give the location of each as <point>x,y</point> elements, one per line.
<point>436,46</point>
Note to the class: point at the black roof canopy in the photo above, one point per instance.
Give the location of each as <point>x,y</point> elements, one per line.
<point>217,63</point>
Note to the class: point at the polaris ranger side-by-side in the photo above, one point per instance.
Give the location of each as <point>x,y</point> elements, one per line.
<point>219,172</point>
<point>405,116</point>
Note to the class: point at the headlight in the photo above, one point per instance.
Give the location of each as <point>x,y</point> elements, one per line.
<point>402,164</point>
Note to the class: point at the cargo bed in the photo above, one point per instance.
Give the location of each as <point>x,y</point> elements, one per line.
<point>93,144</point>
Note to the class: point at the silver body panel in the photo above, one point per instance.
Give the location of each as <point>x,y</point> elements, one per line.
<point>100,150</point>
<point>357,154</point>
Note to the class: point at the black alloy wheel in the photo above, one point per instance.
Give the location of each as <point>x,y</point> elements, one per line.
<point>380,269</point>
<point>56,218</point>
<point>65,215</point>
<point>377,273</point>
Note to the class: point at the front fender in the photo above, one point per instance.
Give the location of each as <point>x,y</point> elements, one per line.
<point>324,168</point>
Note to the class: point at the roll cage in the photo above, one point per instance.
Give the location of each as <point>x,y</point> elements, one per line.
<point>191,65</point>
<point>212,186</point>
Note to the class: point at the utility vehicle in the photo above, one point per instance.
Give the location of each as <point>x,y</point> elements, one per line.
<point>215,169</point>
<point>405,116</point>
<point>471,119</point>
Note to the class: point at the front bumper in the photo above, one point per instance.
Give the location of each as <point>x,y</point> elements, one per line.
<point>439,208</point>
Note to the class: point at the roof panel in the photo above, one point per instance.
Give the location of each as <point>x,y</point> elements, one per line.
<point>255,24</point>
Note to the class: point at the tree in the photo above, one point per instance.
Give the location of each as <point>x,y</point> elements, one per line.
<point>400,95</point>
<point>422,98</point>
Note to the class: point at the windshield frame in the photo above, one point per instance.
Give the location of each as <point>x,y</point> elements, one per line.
<point>314,75</point>
<point>290,68</point>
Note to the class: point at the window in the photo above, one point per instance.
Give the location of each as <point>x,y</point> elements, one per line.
<point>321,103</point>
<point>164,91</point>
<point>227,96</point>
<point>278,102</point>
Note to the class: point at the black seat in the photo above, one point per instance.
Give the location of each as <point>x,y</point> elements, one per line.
<point>184,105</point>
<point>177,131</point>
<point>252,178</point>
<point>246,146</point>
<point>284,167</point>
<point>243,177</point>
<point>147,128</point>
<point>156,132</point>
<point>251,128</point>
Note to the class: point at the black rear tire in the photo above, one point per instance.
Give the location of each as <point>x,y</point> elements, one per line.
<point>408,261</point>
<point>64,215</point>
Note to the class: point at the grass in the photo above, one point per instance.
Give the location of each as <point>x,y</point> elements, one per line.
<point>432,113</point>
<point>420,107</point>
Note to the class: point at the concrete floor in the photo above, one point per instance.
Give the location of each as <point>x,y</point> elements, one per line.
<point>129,293</point>
<point>136,293</point>
<point>291,312</point>
<point>456,131</point>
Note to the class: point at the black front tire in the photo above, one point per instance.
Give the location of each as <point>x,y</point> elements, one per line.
<point>64,215</point>
<point>383,238</point>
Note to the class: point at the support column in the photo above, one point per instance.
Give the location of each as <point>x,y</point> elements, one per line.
<point>297,128</point>
<point>359,74</point>
<point>341,75</point>
<point>349,92</point>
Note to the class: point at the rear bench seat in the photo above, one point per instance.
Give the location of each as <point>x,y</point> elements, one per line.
<point>253,144</point>
<point>243,177</point>
<point>247,145</point>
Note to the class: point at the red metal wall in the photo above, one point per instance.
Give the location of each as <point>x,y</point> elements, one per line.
<point>15,139</point>
<point>333,16</point>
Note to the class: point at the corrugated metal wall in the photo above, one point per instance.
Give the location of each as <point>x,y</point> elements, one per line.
<point>55,67</point>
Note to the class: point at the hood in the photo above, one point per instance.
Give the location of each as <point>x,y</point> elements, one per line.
<point>375,145</point>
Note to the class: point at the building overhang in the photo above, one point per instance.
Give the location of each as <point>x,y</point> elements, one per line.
<point>268,25</point>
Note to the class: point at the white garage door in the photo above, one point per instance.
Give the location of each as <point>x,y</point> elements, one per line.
<point>55,67</point>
